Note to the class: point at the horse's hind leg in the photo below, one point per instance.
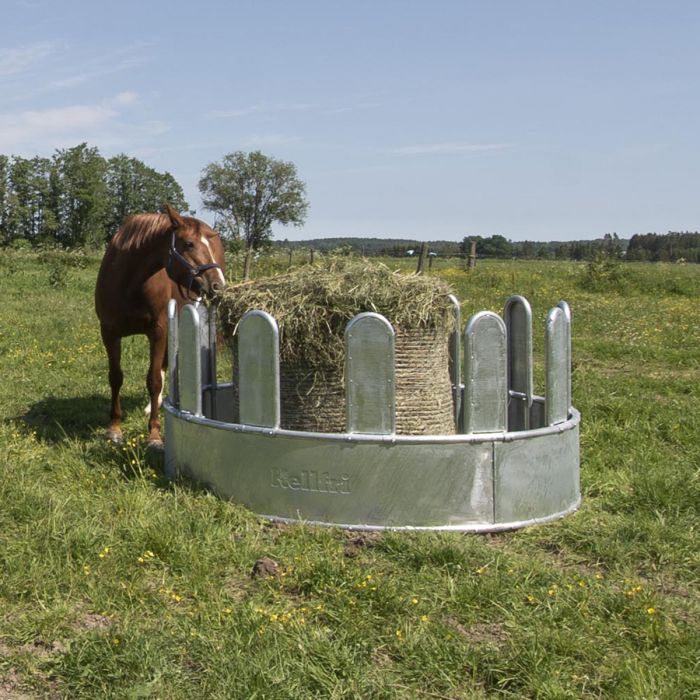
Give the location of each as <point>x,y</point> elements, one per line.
<point>113,346</point>
<point>154,381</point>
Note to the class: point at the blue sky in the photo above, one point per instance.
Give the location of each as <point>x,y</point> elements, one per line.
<point>544,120</point>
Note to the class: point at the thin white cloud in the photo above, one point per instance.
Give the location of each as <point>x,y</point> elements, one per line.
<point>449,148</point>
<point>351,108</point>
<point>271,109</point>
<point>37,130</point>
<point>35,126</point>
<point>124,99</point>
<point>72,81</point>
<point>268,140</point>
<point>260,109</point>
<point>21,59</point>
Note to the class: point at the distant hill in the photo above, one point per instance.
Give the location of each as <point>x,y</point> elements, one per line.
<point>399,247</point>
<point>371,246</point>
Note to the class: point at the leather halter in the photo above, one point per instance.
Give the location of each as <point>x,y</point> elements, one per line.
<point>193,271</point>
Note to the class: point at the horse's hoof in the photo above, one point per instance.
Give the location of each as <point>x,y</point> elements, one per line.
<point>114,436</point>
<point>155,445</point>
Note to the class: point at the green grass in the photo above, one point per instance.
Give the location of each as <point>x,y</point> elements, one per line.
<point>117,583</point>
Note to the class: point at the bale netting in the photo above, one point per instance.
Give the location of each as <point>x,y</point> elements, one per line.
<point>312,306</point>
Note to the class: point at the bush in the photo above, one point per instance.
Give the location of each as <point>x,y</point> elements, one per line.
<point>603,273</point>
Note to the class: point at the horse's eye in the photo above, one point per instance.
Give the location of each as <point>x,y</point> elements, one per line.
<point>188,245</point>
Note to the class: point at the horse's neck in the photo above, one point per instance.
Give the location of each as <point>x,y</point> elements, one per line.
<point>148,260</point>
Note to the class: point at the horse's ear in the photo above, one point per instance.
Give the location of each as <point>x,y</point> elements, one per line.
<point>175,219</point>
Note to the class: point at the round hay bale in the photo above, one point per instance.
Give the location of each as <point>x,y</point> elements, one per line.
<point>312,306</point>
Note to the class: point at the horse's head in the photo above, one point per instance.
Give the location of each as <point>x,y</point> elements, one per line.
<point>196,257</point>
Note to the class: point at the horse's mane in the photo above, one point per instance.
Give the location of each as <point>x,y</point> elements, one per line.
<point>139,230</point>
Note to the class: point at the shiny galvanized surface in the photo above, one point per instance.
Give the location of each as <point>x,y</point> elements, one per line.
<point>259,370</point>
<point>481,481</point>
<point>485,374</point>
<point>172,352</point>
<point>370,396</point>
<point>455,360</point>
<point>189,362</point>
<point>537,475</point>
<point>556,367</point>
<point>517,316</point>
<point>567,312</point>
<point>472,483</point>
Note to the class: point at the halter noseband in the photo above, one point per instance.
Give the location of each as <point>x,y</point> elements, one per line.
<point>194,271</point>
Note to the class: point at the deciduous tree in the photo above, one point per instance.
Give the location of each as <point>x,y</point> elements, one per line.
<point>250,192</point>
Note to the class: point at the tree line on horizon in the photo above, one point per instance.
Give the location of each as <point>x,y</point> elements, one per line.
<point>652,247</point>
<point>77,198</point>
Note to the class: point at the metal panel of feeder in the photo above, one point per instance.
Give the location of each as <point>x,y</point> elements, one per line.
<point>485,376</point>
<point>172,352</point>
<point>190,360</point>
<point>456,360</point>
<point>567,312</point>
<point>206,360</point>
<point>259,372</point>
<point>209,363</point>
<point>358,484</point>
<point>370,403</point>
<point>538,474</point>
<point>556,367</point>
<point>517,315</point>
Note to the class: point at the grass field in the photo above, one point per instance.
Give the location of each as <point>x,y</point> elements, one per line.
<point>116,583</point>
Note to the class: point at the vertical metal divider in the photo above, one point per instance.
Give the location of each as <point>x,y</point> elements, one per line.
<point>569,393</point>
<point>517,316</point>
<point>211,328</point>
<point>556,370</point>
<point>455,362</point>
<point>173,389</point>
<point>190,360</point>
<point>485,377</point>
<point>370,383</point>
<point>259,370</point>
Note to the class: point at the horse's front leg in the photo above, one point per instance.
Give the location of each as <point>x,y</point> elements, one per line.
<point>154,381</point>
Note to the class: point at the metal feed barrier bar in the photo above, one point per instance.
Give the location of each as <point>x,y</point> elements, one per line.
<point>514,459</point>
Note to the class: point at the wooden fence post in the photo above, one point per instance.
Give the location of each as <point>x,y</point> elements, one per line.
<point>471,264</point>
<point>421,258</point>
<point>247,264</point>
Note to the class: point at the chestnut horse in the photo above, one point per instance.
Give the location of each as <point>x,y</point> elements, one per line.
<point>151,259</point>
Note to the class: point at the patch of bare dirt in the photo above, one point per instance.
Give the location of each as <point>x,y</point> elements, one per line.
<point>42,649</point>
<point>94,621</point>
<point>497,539</point>
<point>480,632</point>
<point>11,687</point>
<point>355,542</point>
<point>264,568</point>
<point>381,658</point>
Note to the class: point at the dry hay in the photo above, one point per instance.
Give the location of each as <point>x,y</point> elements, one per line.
<point>312,306</point>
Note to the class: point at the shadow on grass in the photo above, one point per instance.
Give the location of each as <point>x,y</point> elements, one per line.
<point>80,422</point>
<point>54,419</point>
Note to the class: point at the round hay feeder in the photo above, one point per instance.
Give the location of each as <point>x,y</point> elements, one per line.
<point>312,306</point>
<point>508,459</point>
